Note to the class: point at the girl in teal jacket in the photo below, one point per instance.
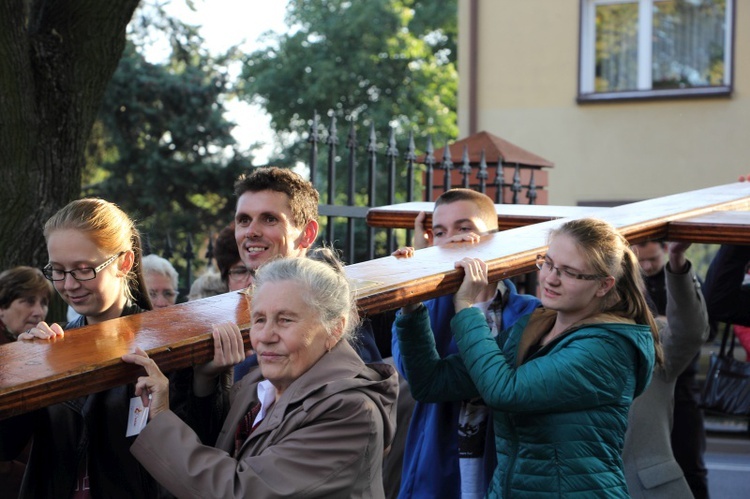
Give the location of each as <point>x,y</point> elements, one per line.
<point>561,380</point>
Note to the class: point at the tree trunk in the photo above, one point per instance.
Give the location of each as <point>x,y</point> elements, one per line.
<point>56,59</point>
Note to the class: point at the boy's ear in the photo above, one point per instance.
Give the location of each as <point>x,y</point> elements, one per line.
<point>428,235</point>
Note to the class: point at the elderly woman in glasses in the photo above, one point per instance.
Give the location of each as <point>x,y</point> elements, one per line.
<point>312,421</point>
<point>561,380</point>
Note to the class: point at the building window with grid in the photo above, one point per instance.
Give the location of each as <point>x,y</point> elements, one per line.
<point>655,48</point>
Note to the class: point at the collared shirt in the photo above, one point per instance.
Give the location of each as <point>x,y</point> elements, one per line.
<point>266,397</point>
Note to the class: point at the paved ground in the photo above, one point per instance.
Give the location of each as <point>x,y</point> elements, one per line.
<point>728,458</point>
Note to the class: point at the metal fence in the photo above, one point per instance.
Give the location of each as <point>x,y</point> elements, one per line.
<point>349,186</point>
<point>389,178</point>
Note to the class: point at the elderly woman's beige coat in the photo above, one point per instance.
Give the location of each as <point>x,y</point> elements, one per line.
<point>323,438</point>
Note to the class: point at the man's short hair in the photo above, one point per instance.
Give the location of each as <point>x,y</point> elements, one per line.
<point>226,252</point>
<point>303,198</point>
<point>483,202</point>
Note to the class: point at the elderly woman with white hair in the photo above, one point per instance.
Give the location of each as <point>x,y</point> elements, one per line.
<point>312,421</point>
<point>161,280</point>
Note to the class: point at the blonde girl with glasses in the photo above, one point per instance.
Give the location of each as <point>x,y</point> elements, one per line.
<point>79,447</point>
<point>560,381</point>
<point>94,263</point>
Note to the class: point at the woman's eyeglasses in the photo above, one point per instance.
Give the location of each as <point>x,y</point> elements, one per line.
<point>240,273</point>
<point>82,274</point>
<point>543,262</point>
<point>167,294</point>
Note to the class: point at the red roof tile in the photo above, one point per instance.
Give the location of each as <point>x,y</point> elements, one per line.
<point>493,147</point>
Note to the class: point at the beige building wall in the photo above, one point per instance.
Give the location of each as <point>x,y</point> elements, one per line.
<point>625,151</point>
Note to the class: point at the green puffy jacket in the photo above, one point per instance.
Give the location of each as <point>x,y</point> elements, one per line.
<point>560,413</point>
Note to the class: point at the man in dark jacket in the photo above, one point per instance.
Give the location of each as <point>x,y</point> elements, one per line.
<point>726,299</point>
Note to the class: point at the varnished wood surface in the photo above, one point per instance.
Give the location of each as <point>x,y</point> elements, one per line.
<point>34,374</point>
<point>87,360</point>
<point>509,216</point>
<point>651,219</point>
<point>511,252</point>
<point>721,227</point>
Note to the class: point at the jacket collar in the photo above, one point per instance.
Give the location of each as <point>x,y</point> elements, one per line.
<point>542,320</point>
<point>7,336</point>
<point>339,370</point>
<point>130,308</point>
<point>332,373</point>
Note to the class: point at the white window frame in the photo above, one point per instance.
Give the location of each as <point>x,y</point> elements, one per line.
<point>587,57</point>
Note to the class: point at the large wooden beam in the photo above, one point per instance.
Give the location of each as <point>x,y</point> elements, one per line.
<point>719,227</point>
<point>87,360</point>
<point>430,272</point>
<point>509,216</point>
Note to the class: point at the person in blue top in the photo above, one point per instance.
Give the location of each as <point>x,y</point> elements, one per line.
<point>560,381</point>
<point>449,449</point>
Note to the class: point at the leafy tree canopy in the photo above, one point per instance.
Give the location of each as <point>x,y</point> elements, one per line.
<point>162,148</point>
<point>381,63</point>
<point>388,62</point>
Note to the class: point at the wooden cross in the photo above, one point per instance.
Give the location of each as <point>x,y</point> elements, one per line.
<point>87,360</point>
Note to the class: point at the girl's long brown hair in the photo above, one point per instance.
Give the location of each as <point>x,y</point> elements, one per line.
<point>609,253</point>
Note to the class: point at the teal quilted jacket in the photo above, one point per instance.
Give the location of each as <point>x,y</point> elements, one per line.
<point>560,413</point>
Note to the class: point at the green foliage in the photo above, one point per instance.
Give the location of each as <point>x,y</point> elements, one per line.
<point>380,61</point>
<point>390,64</point>
<point>701,255</point>
<point>616,47</point>
<point>687,44</point>
<point>161,148</point>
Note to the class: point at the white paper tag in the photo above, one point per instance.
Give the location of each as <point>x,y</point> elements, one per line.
<point>137,417</point>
